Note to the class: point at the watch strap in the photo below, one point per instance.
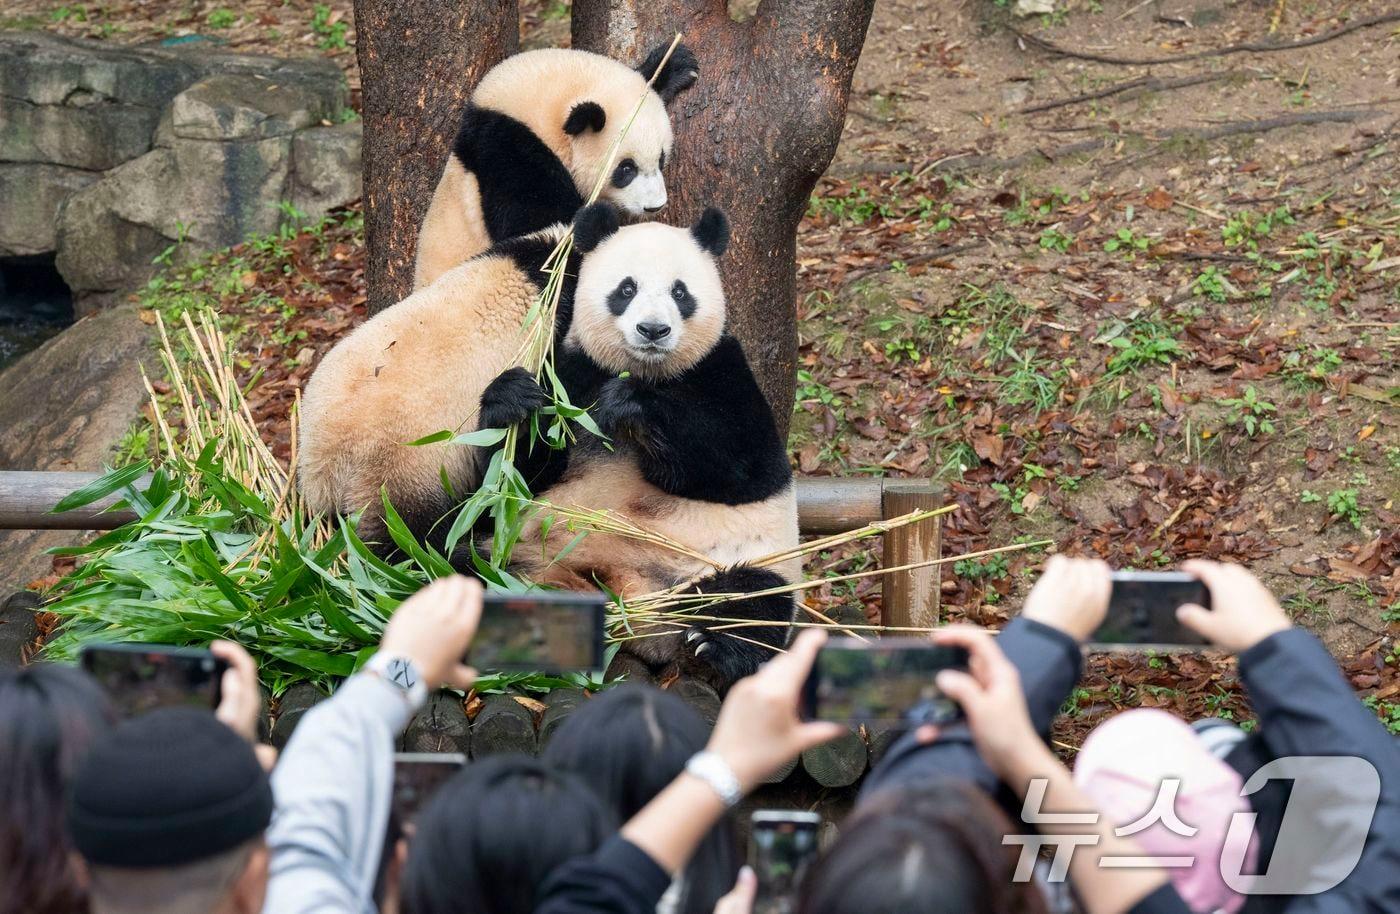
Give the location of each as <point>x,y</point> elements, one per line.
<point>715,771</point>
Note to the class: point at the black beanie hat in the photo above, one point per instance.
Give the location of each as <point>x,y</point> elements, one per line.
<point>169,787</point>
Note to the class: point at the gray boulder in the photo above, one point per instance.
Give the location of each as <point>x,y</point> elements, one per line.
<point>32,193</point>
<point>62,407</point>
<point>326,168</point>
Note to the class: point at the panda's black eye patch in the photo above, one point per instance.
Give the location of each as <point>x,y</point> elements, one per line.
<point>621,297</point>
<point>623,174</point>
<point>685,302</point>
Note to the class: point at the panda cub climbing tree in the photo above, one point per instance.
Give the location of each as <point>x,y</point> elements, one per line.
<point>533,138</point>
<point>695,454</point>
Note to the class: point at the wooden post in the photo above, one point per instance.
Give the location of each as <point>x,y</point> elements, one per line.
<point>911,597</point>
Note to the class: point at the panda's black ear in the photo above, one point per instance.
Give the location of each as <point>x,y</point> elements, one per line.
<point>711,231</point>
<point>679,74</point>
<point>585,116</point>
<point>593,225</point>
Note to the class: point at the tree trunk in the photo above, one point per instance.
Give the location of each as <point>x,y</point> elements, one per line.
<point>419,62</point>
<point>752,136</point>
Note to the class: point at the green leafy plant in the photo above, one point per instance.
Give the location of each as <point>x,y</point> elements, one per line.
<point>1142,344</point>
<point>1053,239</point>
<point>1343,504</point>
<point>1127,241</point>
<point>330,32</point>
<point>1250,412</point>
<point>1212,284</point>
<point>221,18</point>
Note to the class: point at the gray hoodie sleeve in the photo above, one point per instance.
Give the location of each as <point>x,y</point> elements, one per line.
<point>332,786</point>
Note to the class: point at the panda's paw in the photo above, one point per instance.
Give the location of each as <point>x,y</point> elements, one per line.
<point>720,659</point>
<point>617,411</point>
<point>511,399</point>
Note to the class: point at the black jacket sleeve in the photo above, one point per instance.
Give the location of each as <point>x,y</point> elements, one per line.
<point>618,878</point>
<point>1049,662</point>
<point>1306,707</point>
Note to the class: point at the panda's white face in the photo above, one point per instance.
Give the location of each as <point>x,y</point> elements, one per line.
<point>648,301</point>
<point>636,184</point>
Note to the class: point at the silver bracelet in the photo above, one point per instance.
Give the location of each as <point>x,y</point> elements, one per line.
<point>715,771</point>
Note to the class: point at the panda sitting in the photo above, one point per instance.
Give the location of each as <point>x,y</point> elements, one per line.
<point>695,454</point>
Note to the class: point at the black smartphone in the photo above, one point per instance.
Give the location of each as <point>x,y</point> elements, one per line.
<point>782,844</point>
<point>1142,609</point>
<point>890,681</point>
<point>141,677</point>
<point>417,776</point>
<point>544,632</point>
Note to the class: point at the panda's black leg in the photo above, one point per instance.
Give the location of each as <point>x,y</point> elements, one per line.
<point>720,657</point>
<point>510,399</point>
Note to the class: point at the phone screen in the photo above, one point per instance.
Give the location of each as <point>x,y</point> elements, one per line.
<point>889,681</point>
<point>1142,609</point>
<point>782,845</point>
<point>544,632</point>
<point>417,776</point>
<point>141,677</point>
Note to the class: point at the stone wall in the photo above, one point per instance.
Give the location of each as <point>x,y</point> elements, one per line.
<point>109,154</point>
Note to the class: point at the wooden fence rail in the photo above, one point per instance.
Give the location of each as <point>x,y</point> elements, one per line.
<point>825,505</point>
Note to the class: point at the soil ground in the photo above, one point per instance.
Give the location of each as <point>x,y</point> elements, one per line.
<point>1147,312</point>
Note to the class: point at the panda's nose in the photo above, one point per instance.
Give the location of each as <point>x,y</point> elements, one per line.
<point>654,332</point>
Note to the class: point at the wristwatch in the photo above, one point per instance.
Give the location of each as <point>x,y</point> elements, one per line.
<point>715,771</point>
<point>401,673</point>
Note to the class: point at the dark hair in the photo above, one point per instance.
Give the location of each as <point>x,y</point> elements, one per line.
<point>490,837</point>
<point>630,742</point>
<point>933,850</point>
<point>49,716</point>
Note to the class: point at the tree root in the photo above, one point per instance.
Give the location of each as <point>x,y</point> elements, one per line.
<point>1146,83</point>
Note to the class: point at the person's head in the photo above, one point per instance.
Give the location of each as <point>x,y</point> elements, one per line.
<point>168,814</point>
<point>630,742</point>
<point>491,835</point>
<point>49,716</point>
<point>934,850</point>
<point>1124,767</point>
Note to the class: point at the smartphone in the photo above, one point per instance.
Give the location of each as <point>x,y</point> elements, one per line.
<point>544,632</point>
<point>141,677</point>
<point>782,845</point>
<point>417,776</point>
<point>890,681</point>
<point>1142,609</point>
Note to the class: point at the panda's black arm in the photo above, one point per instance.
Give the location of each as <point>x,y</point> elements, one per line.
<point>709,434</point>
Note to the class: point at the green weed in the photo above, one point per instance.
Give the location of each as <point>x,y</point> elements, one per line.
<point>1251,413</point>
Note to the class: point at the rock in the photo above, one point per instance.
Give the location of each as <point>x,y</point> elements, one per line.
<point>229,107</point>
<point>18,628</point>
<point>33,193</point>
<point>111,154</point>
<point>292,707</point>
<point>326,168</point>
<point>442,726</point>
<point>62,407</point>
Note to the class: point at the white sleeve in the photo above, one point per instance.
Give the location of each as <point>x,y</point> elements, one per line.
<point>332,787</point>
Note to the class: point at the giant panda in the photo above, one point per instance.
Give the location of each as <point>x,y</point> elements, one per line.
<point>694,453</point>
<point>533,139</point>
<point>420,366</point>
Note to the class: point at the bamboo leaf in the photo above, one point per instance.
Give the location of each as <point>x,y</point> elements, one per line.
<point>101,487</point>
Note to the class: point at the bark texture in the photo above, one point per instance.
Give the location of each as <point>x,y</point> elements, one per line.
<point>419,62</point>
<point>752,136</point>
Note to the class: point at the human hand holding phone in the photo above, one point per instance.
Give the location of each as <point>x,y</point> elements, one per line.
<point>1242,612</point>
<point>758,730</point>
<point>991,698</point>
<point>1071,596</point>
<point>434,627</point>
<point>240,701</point>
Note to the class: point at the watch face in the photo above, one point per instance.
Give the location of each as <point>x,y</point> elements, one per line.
<point>400,672</point>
